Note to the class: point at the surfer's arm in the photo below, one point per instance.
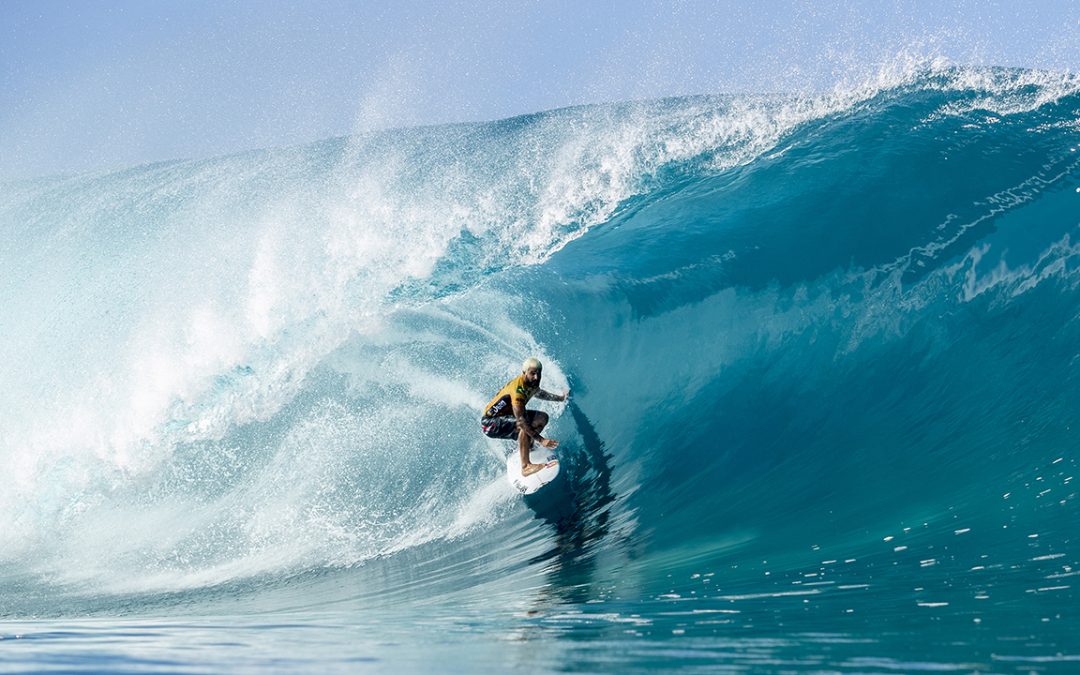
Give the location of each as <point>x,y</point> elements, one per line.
<point>548,396</point>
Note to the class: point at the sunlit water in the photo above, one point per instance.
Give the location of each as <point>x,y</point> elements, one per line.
<point>822,353</point>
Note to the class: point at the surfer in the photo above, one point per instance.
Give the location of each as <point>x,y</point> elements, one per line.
<point>506,416</point>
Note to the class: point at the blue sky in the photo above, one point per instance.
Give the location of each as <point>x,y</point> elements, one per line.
<point>89,85</point>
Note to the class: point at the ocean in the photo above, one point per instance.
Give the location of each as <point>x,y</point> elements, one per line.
<point>823,354</point>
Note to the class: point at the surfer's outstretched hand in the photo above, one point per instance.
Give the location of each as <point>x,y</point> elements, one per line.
<point>549,443</point>
<point>566,395</point>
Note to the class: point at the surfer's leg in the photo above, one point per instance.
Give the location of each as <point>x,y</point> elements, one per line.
<point>524,445</point>
<point>539,421</point>
<point>525,441</point>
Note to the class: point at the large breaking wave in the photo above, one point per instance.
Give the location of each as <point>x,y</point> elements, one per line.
<point>816,344</point>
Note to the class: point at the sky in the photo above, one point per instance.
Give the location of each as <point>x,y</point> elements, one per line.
<point>89,85</point>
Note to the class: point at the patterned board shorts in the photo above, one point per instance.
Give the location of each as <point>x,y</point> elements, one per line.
<point>505,426</point>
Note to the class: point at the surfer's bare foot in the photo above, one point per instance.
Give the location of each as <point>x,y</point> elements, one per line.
<point>530,469</point>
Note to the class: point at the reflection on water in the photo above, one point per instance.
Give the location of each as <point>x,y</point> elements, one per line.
<point>445,638</point>
<point>578,509</point>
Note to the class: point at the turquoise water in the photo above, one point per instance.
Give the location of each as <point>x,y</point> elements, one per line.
<point>822,353</point>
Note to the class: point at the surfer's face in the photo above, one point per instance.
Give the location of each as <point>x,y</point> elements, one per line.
<point>532,376</point>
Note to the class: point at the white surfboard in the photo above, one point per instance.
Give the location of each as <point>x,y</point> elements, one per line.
<point>527,485</point>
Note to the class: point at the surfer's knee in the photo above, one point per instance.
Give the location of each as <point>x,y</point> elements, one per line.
<point>540,420</point>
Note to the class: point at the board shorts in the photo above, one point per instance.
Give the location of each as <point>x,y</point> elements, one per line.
<point>505,426</point>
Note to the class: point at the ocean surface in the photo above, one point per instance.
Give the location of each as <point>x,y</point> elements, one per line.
<point>823,353</point>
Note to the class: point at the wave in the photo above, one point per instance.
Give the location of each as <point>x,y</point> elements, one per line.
<point>793,326</point>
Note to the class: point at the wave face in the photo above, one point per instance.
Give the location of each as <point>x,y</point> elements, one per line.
<point>823,355</point>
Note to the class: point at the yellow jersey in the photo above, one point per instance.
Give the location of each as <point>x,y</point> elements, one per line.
<point>515,391</point>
